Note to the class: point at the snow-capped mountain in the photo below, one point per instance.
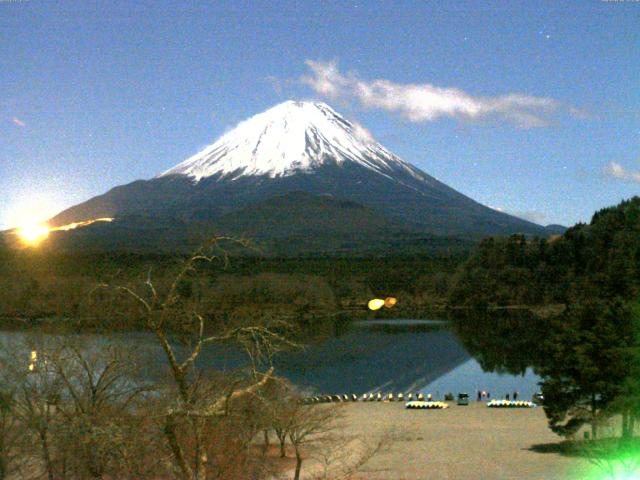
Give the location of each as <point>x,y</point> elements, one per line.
<point>292,137</point>
<point>292,148</point>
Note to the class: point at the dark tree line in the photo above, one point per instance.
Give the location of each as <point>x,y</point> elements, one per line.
<point>596,260</point>
<point>588,350</point>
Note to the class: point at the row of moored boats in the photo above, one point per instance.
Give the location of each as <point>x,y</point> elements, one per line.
<point>417,401</point>
<point>367,397</point>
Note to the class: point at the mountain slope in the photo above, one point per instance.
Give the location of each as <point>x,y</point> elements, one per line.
<point>299,147</point>
<point>288,225</point>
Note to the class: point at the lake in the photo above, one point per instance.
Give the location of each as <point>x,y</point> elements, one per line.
<point>364,356</point>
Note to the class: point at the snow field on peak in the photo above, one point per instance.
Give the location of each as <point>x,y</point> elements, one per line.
<point>289,138</point>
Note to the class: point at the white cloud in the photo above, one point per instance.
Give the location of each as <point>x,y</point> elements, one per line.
<point>618,171</point>
<point>426,102</point>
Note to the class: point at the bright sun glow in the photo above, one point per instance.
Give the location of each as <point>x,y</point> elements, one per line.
<point>33,234</point>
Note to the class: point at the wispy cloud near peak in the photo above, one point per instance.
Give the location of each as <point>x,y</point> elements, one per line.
<point>425,102</point>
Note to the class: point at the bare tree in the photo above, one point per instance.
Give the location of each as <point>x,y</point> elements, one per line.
<point>10,429</point>
<point>343,457</point>
<point>35,407</point>
<point>79,406</point>
<point>102,390</point>
<point>280,402</point>
<point>310,426</point>
<point>316,431</point>
<point>83,410</point>
<point>189,416</point>
<point>25,415</point>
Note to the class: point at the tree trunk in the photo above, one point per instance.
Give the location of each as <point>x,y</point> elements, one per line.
<point>93,461</point>
<point>594,426</point>
<point>626,423</point>
<point>283,450</point>
<point>282,438</point>
<point>265,448</point>
<point>202,465</point>
<point>95,474</point>
<point>3,467</point>
<point>46,454</point>
<point>296,476</point>
<point>197,427</point>
<point>176,450</point>
<point>3,458</point>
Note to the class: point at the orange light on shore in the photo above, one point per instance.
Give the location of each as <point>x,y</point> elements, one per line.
<point>376,304</point>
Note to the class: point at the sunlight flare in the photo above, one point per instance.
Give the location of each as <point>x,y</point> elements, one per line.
<point>74,225</point>
<point>33,234</point>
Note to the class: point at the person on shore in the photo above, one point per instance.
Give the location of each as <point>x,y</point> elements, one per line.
<point>515,396</point>
<point>479,395</point>
<point>507,397</point>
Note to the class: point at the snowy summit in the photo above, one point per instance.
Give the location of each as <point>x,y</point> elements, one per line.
<point>292,137</point>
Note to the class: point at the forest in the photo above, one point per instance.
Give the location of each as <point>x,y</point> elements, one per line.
<point>596,260</point>
<point>585,341</point>
<point>39,287</point>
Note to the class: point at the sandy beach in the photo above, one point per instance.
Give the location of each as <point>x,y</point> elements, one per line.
<point>461,442</point>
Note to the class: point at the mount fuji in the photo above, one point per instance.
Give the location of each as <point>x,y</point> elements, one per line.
<point>298,172</point>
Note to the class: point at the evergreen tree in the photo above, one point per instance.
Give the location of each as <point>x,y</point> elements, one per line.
<point>627,403</point>
<point>587,365</point>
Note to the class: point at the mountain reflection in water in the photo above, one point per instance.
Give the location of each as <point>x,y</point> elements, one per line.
<point>392,355</point>
<point>362,356</point>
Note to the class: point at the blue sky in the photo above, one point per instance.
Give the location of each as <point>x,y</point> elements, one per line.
<point>530,107</point>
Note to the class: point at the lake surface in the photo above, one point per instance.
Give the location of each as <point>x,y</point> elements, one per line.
<point>365,356</point>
